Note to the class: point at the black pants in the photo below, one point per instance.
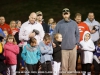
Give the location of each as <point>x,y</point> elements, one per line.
<point>96,67</point>
<point>78,54</point>
<point>46,67</point>
<point>86,67</point>
<point>32,69</point>
<point>19,59</point>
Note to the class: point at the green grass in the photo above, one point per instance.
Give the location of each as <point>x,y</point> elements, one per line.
<point>20,9</point>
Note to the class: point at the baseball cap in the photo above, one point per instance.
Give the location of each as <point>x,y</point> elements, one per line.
<point>39,13</point>
<point>65,10</point>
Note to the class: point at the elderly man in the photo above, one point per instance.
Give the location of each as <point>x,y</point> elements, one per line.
<point>26,31</point>
<point>4,26</point>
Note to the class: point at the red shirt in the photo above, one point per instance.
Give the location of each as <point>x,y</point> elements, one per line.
<point>14,31</point>
<point>6,27</point>
<point>82,28</point>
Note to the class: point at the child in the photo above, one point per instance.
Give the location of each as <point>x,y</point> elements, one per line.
<point>87,52</point>
<point>57,53</point>
<point>46,54</point>
<point>52,27</point>
<point>97,58</point>
<point>11,50</point>
<point>31,55</point>
<point>13,27</point>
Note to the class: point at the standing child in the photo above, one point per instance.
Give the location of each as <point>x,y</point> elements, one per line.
<point>87,52</point>
<point>96,61</point>
<point>11,50</point>
<point>31,55</point>
<point>57,53</point>
<point>46,54</point>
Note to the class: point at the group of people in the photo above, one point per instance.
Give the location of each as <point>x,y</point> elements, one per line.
<point>50,48</point>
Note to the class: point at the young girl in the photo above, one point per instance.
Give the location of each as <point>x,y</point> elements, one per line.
<point>11,50</point>
<point>13,27</point>
<point>87,52</point>
<point>31,56</point>
<point>46,54</point>
<point>96,61</point>
<point>57,53</point>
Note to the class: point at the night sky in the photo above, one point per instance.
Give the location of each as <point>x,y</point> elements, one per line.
<point>20,9</point>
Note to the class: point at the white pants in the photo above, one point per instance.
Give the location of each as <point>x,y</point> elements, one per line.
<point>56,68</point>
<point>11,70</point>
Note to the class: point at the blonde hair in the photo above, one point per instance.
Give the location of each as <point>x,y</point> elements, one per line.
<point>56,36</point>
<point>11,37</point>
<point>11,24</point>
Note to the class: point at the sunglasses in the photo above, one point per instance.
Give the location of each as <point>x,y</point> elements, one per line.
<point>65,11</point>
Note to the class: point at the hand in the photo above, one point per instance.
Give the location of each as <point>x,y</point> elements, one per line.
<point>99,57</point>
<point>76,46</point>
<point>54,45</point>
<point>32,35</point>
<point>60,45</point>
<point>92,31</point>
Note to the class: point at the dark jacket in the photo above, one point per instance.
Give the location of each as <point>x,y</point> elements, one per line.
<point>3,66</point>
<point>57,52</point>
<point>45,27</point>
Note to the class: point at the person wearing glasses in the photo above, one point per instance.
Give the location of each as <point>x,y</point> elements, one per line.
<point>70,34</point>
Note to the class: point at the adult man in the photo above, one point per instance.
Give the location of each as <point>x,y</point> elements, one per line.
<point>26,31</point>
<point>70,33</point>
<point>93,25</point>
<point>82,28</point>
<point>40,20</point>
<point>4,26</point>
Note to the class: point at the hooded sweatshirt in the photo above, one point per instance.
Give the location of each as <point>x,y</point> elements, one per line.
<point>31,55</point>
<point>94,36</point>
<point>87,49</point>
<point>10,52</point>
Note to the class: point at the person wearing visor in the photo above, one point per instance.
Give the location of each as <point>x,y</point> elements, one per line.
<point>70,34</point>
<point>41,21</point>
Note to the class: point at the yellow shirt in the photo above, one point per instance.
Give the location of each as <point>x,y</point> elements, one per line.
<point>0,47</point>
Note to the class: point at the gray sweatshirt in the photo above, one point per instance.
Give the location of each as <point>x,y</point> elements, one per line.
<point>70,33</point>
